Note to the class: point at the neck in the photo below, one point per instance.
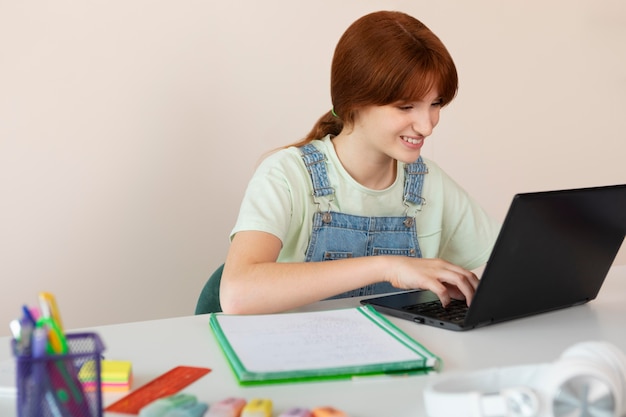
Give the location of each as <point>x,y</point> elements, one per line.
<point>369,168</point>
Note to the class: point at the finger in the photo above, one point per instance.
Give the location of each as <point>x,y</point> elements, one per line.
<point>474,280</point>
<point>454,292</point>
<point>469,275</point>
<point>464,281</point>
<point>440,291</point>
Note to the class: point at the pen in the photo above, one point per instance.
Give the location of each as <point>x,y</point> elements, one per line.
<point>52,404</point>
<point>16,331</point>
<point>37,377</point>
<point>28,315</point>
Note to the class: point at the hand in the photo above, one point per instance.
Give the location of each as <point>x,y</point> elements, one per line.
<point>446,280</point>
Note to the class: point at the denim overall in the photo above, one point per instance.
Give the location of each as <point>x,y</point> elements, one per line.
<point>339,235</point>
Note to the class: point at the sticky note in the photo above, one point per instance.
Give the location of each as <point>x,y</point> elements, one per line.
<point>115,375</point>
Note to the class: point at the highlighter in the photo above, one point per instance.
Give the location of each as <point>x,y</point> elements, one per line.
<point>229,407</point>
<point>49,308</point>
<point>258,407</point>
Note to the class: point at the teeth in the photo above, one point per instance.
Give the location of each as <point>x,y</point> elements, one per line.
<point>412,140</point>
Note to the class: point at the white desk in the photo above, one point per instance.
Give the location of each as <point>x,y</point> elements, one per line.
<point>155,347</point>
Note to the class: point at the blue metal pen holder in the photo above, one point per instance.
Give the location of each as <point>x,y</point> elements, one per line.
<point>66,385</point>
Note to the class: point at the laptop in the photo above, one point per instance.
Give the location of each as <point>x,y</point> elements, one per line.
<point>553,251</point>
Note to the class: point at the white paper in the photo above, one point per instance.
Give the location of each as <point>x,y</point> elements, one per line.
<point>308,341</point>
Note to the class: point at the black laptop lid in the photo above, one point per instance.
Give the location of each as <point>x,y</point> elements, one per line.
<point>554,250</point>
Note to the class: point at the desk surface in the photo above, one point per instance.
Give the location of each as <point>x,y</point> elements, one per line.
<point>156,346</point>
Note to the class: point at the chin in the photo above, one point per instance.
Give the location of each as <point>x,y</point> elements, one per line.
<point>409,159</point>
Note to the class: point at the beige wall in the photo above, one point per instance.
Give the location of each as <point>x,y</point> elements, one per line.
<point>129,128</point>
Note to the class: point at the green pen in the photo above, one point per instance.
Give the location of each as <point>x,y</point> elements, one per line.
<point>57,344</point>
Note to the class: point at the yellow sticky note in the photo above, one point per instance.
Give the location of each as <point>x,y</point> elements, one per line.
<point>116,371</point>
<point>114,375</point>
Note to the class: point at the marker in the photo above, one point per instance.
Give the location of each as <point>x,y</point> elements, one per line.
<point>57,344</point>
<point>51,319</point>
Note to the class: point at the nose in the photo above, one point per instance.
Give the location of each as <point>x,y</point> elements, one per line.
<point>424,122</point>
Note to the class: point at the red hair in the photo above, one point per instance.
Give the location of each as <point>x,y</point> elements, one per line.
<point>382,58</point>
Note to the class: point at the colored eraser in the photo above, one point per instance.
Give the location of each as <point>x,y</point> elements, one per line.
<point>228,407</point>
<point>296,412</point>
<point>327,412</point>
<point>178,405</point>
<point>258,407</point>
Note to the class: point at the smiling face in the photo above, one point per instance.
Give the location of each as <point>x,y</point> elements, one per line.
<point>390,77</point>
<point>398,130</point>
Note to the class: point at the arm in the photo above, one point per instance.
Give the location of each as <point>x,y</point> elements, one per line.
<point>253,282</point>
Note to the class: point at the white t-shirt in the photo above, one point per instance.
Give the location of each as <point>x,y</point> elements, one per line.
<point>450,224</point>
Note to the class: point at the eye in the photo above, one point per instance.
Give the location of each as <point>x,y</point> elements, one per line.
<point>437,103</point>
<point>405,107</point>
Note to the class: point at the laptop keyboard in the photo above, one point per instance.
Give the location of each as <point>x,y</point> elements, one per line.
<point>454,312</point>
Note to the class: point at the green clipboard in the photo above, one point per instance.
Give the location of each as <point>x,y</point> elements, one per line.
<point>319,345</point>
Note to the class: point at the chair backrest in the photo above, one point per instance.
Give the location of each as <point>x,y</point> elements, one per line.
<point>209,300</point>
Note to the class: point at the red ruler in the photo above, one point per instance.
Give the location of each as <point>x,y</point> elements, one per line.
<point>164,385</point>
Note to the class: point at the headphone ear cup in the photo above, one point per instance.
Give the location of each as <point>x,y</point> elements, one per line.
<point>575,387</point>
<point>588,379</point>
<point>607,355</point>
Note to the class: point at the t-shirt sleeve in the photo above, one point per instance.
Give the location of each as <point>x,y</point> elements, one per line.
<point>469,232</point>
<point>267,204</point>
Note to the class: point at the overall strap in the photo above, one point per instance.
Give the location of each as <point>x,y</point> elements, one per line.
<point>315,162</point>
<point>414,182</point>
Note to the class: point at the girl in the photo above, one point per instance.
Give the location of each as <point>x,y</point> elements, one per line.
<point>357,192</point>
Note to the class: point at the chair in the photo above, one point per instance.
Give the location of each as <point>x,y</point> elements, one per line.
<point>209,300</point>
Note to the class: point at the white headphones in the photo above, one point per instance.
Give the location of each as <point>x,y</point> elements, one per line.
<point>589,379</point>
